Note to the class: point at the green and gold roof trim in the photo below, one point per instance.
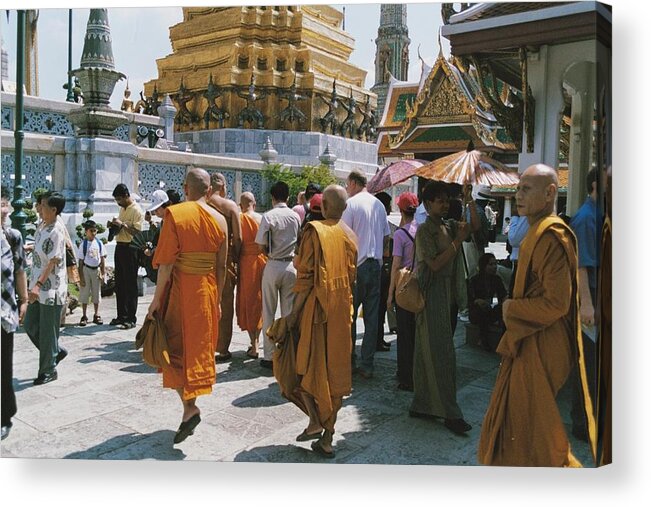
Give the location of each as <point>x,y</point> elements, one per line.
<point>448,95</point>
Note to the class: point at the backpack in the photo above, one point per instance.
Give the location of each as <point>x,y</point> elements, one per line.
<point>85,247</point>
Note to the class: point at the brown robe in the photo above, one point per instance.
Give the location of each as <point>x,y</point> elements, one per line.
<point>326,267</point>
<point>523,426</point>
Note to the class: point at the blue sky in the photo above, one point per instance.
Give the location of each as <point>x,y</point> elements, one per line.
<point>141,35</point>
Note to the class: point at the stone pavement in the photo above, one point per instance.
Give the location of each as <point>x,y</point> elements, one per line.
<point>108,405</point>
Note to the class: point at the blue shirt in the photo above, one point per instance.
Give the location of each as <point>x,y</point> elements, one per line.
<point>517,232</point>
<point>421,215</point>
<point>584,225</point>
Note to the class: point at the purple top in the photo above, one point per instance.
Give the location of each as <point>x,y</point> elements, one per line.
<point>403,247</point>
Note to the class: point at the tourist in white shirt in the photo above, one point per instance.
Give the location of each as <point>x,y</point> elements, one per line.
<point>48,288</point>
<point>366,216</point>
<point>276,238</point>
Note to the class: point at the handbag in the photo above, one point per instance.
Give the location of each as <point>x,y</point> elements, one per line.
<point>153,340</point>
<point>408,294</point>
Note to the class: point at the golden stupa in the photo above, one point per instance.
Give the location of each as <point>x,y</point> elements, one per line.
<point>263,67</point>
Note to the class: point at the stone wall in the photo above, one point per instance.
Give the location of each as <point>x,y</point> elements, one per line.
<point>294,148</point>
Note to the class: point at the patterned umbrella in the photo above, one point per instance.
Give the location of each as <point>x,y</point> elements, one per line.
<point>465,167</point>
<point>393,174</point>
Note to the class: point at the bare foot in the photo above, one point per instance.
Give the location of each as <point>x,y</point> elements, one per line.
<point>190,412</point>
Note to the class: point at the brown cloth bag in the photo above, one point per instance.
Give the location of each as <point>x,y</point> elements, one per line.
<point>408,293</point>
<point>153,340</point>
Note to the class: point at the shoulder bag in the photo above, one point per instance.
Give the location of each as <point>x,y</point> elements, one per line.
<point>408,293</point>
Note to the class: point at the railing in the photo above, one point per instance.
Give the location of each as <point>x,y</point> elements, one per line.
<point>50,117</point>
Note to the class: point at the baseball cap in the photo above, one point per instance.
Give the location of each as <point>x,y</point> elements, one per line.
<point>315,203</point>
<point>158,198</point>
<point>407,201</point>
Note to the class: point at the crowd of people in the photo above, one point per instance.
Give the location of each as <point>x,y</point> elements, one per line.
<point>217,262</point>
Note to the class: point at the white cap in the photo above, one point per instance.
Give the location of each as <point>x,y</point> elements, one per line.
<point>481,192</point>
<point>158,198</point>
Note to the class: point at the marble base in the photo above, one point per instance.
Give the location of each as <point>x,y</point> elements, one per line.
<point>294,148</point>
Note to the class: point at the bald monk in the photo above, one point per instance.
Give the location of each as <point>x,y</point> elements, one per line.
<point>248,305</point>
<point>191,261</point>
<point>231,213</point>
<point>542,341</point>
<point>326,268</point>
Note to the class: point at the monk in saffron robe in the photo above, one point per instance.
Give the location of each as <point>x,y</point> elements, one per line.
<point>191,262</point>
<point>231,214</point>
<point>248,305</point>
<point>523,425</point>
<point>326,268</point>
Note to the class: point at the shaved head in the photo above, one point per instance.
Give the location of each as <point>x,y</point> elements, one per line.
<point>537,189</point>
<point>543,173</point>
<point>197,182</point>
<point>247,199</point>
<point>334,201</point>
<point>218,183</point>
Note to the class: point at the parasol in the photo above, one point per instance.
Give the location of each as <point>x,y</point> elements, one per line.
<point>393,174</point>
<point>469,167</point>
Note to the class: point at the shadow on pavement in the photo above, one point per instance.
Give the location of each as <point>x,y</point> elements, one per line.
<point>280,454</point>
<point>268,397</point>
<point>121,352</point>
<point>134,446</point>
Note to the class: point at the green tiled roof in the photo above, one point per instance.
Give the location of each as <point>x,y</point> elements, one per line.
<point>401,108</point>
<point>434,133</point>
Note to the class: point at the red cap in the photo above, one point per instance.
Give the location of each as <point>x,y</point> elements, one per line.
<point>315,202</point>
<point>407,201</point>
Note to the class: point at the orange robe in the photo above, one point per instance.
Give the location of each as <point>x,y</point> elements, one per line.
<point>523,426</point>
<point>190,239</point>
<point>326,267</point>
<point>249,286</point>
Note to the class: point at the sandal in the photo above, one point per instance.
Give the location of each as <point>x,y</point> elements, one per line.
<point>251,354</point>
<point>83,321</point>
<point>98,320</point>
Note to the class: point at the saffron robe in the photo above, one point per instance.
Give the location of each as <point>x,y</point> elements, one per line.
<point>523,425</point>
<point>326,266</point>
<point>249,286</point>
<point>190,240</point>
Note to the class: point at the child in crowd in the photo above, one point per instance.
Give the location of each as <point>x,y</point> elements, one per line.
<point>92,256</point>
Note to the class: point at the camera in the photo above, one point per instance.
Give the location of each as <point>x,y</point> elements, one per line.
<point>112,231</point>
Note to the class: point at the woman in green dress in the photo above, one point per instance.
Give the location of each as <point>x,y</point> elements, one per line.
<point>438,250</point>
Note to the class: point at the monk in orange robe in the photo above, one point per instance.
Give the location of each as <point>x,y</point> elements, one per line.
<point>191,262</point>
<point>248,305</point>
<point>523,425</point>
<point>326,268</point>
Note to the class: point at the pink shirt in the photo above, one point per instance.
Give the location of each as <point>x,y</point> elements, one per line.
<point>403,247</point>
<point>300,211</point>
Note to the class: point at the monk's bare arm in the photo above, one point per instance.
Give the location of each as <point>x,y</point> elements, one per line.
<point>222,254</point>
<point>236,227</point>
<point>530,315</point>
<point>164,275</point>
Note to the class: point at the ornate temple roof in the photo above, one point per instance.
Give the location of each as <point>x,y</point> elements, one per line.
<point>441,113</point>
<point>494,9</point>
